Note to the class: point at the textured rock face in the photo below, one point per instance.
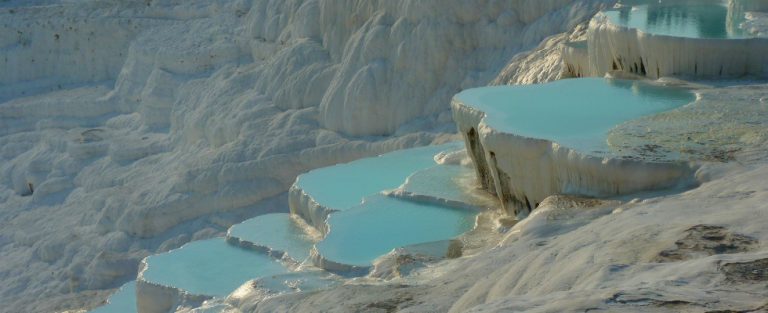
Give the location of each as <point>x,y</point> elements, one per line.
<point>705,240</point>
<point>722,123</point>
<point>358,61</point>
<point>577,57</point>
<point>43,52</point>
<point>441,47</point>
<point>523,168</point>
<point>612,46</point>
<point>205,112</point>
<point>755,271</point>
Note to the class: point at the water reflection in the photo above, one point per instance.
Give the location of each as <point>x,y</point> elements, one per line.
<point>693,19</point>
<point>382,223</point>
<point>577,113</point>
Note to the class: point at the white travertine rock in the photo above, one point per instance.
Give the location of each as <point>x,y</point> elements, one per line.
<point>458,42</point>
<point>41,51</point>
<point>175,116</point>
<point>576,56</point>
<point>156,298</point>
<point>571,257</point>
<point>614,47</point>
<point>523,171</point>
<point>304,206</point>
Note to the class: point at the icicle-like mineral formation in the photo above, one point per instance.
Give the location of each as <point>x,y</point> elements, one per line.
<point>530,142</point>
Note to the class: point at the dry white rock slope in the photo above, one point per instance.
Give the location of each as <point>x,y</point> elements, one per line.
<point>131,127</point>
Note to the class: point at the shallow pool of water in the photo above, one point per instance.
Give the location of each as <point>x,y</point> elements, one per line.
<point>307,280</point>
<point>277,231</point>
<point>343,186</point>
<point>122,301</point>
<point>209,267</point>
<point>359,235</point>
<point>577,113</point>
<point>445,183</point>
<point>691,19</point>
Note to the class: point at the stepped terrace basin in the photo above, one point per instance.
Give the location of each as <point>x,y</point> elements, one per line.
<point>701,38</point>
<point>448,185</point>
<point>122,301</point>
<point>361,234</point>
<point>336,188</point>
<point>691,19</point>
<point>277,234</point>
<point>577,113</point>
<point>198,271</point>
<point>529,142</point>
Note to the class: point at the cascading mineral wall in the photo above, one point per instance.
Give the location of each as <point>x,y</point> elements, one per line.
<point>613,47</point>
<point>155,298</point>
<point>523,171</point>
<point>304,206</point>
<point>577,58</point>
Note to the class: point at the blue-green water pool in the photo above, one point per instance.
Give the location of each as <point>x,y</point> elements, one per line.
<point>277,231</point>
<point>209,267</point>
<point>361,234</point>
<point>122,301</point>
<point>453,183</point>
<point>577,113</point>
<point>343,186</point>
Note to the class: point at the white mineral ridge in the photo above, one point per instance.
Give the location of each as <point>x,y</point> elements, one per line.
<point>523,167</point>
<point>612,46</point>
<point>141,125</point>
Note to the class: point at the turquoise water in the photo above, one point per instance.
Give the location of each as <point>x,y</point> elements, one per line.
<point>296,281</point>
<point>359,235</point>
<point>577,113</point>
<point>122,301</point>
<point>276,231</point>
<point>691,19</point>
<point>448,182</point>
<point>343,186</point>
<point>209,267</point>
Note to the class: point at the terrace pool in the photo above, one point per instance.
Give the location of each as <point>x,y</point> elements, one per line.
<point>361,234</point>
<point>576,113</point>
<point>122,301</point>
<point>451,185</point>
<point>343,186</point>
<point>276,231</point>
<point>209,267</point>
<point>690,19</point>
